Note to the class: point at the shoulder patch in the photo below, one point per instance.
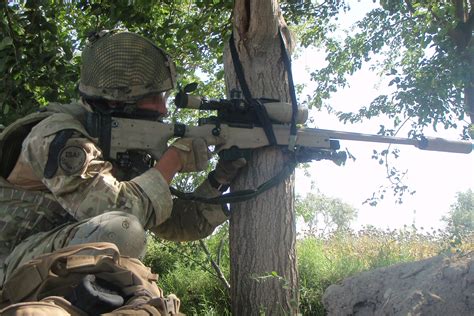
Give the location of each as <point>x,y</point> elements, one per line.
<point>72,159</point>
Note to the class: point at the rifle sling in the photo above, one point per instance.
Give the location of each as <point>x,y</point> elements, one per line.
<point>260,110</point>
<point>241,195</point>
<point>99,125</point>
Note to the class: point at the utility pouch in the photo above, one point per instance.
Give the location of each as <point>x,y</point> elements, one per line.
<point>50,306</point>
<point>63,272</point>
<point>158,306</point>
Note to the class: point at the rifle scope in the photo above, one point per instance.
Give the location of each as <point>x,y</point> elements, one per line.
<point>277,111</point>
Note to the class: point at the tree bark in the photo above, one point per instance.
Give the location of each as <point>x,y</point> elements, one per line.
<point>262,230</point>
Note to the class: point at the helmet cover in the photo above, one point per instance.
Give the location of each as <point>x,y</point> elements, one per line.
<point>124,66</point>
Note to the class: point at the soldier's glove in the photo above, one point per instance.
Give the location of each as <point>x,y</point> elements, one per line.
<point>193,153</point>
<point>226,170</point>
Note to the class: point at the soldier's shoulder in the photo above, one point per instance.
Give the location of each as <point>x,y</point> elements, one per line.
<point>55,122</point>
<point>75,108</point>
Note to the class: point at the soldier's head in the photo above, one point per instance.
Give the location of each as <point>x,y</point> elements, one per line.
<point>125,72</point>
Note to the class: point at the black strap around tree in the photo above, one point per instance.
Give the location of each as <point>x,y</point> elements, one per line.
<point>291,87</point>
<point>243,195</point>
<point>260,110</point>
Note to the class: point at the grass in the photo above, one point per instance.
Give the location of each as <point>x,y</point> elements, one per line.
<point>321,262</point>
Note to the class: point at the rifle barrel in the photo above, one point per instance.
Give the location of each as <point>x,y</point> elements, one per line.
<point>425,143</point>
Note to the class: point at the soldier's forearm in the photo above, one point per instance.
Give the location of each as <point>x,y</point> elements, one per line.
<point>169,164</point>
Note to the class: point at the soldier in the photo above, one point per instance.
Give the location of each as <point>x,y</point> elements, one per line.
<point>59,190</point>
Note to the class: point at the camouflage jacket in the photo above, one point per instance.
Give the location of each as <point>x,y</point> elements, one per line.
<point>43,192</point>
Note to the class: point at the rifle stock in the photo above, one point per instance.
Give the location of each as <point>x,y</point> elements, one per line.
<point>131,134</point>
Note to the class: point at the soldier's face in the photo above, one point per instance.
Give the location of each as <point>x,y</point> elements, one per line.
<point>156,103</point>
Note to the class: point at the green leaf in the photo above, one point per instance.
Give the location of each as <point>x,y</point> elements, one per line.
<point>7,41</point>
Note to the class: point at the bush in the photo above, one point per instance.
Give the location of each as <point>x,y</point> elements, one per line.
<point>186,271</point>
<point>199,291</point>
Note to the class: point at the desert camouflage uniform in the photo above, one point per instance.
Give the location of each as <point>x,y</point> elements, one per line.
<point>39,214</point>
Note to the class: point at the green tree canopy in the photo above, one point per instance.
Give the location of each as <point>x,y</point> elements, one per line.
<point>323,214</point>
<point>41,43</point>
<point>460,219</point>
<point>423,47</point>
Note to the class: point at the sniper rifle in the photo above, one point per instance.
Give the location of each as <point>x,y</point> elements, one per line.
<point>236,131</point>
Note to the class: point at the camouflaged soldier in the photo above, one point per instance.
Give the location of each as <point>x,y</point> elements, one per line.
<point>57,188</point>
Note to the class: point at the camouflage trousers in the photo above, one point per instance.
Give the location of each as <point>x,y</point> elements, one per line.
<point>122,229</point>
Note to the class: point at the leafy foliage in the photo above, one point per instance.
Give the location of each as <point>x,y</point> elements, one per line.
<point>423,49</point>
<point>426,67</point>
<point>41,42</point>
<point>185,270</point>
<point>37,58</point>
<point>460,219</point>
<point>312,21</point>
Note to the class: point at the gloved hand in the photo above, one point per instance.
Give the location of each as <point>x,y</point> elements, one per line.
<point>193,153</point>
<point>225,172</point>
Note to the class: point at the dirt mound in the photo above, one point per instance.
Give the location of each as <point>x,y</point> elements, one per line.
<point>442,285</point>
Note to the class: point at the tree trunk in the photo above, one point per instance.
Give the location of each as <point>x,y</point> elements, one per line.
<point>262,230</point>
<point>461,35</point>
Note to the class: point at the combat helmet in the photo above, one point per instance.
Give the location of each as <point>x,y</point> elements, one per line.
<point>123,66</point>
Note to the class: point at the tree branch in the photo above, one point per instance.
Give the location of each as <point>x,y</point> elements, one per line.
<point>459,9</point>
<point>201,264</point>
<point>219,251</point>
<point>10,29</point>
<point>410,6</point>
<point>218,270</point>
<point>387,163</point>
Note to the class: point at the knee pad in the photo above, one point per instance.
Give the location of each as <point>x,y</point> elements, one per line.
<point>120,228</point>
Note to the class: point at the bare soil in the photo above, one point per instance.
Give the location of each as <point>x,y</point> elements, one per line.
<point>442,285</point>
